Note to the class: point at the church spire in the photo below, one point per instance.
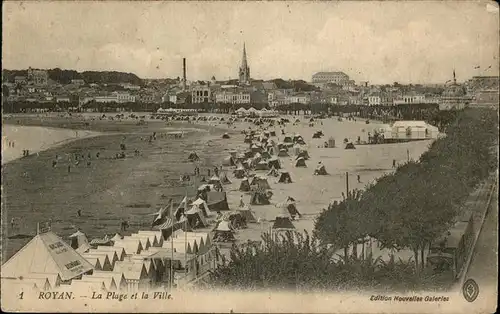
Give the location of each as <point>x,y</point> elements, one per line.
<point>244,59</point>
<point>244,73</point>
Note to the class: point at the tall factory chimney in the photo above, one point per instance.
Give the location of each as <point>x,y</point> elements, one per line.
<point>184,73</point>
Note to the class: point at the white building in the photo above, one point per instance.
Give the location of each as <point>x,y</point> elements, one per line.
<point>232,97</point>
<point>410,99</point>
<point>123,97</point>
<point>298,99</point>
<point>200,94</point>
<point>339,78</point>
<point>374,100</point>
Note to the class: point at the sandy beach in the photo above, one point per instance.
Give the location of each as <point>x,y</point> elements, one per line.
<point>107,190</point>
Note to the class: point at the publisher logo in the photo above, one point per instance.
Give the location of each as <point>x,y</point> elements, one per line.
<point>470,290</point>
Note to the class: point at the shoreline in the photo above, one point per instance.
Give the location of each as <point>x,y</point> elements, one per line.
<point>17,134</point>
<point>110,190</point>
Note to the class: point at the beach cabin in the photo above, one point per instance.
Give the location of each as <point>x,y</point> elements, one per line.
<point>54,279</point>
<point>102,258</point>
<point>144,239</point>
<point>117,276</point>
<point>135,274</point>
<point>413,130</point>
<point>108,282</point>
<point>119,251</point>
<point>130,245</point>
<point>38,256</point>
<point>86,288</point>
<point>155,237</point>
<point>112,256</point>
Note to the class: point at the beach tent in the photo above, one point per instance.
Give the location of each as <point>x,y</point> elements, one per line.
<point>256,148</point>
<point>228,161</point>
<point>102,258</point>
<point>289,209</point>
<point>318,134</point>
<point>285,177</point>
<point>145,242</point>
<point>109,281</point>
<point>239,172</point>
<point>244,185</point>
<point>320,170</point>
<point>296,149</point>
<point>300,162</point>
<point>196,218</point>
<point>53,279</point>
<point>217,201</point>
<point>262,165</point>
<point>101,241</point>
<point>79,241</point>
<point>224,179</point>
<point>283,153</point>
<point>283,223</point>
<point>266,155</point>
<point>27,285</point>
<point>331,142</point>
<point>261,182</point>
<point>193,157</point>
<point>274,162</point>
<point>259,197</point>
<point>248,139</point>
<point>304,154</point>
<point>117,276</point>
<point>136,275</point>
<point>247,214</point>
<point>112,256</point>
<point>215,180</point>
<point>233,153</point>
<point>119,251</point>
<point>130,245</point>
<point>46,253</point>
<point>225,136</point>
<point>273,172</point>
<point>116,237</point>
<point>296,137</point>
<point>223,232</point>
<point>350,146</point>
<point>203,205</point>
<point>288,139</point>
<point>155,237</point>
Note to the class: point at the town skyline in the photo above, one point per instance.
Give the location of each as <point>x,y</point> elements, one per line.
<point>212,43</point>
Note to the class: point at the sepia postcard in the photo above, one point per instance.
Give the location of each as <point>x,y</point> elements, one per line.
<point>249,156</point>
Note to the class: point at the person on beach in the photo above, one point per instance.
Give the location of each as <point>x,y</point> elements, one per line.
<point>69,168</point>
<point>242,204</point>
<point>216,171</point>
<point>359,178</point>
<point>12,223</point>
<point>208,173</point>
<point>54,163</point>
<point>394,163</point>
<point>79,213</point>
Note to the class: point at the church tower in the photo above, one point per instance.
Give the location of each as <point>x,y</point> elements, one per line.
<point>244,73</point>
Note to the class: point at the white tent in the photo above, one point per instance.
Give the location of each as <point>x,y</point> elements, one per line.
<point>46,253</point>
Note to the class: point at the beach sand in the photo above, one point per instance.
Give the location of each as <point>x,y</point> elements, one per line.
<point>15,139</point>
<point>111,190</point>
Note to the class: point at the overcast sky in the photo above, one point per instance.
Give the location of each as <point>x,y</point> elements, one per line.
<point>380,42</point>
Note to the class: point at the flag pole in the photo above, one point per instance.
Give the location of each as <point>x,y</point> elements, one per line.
<point>172,245</point>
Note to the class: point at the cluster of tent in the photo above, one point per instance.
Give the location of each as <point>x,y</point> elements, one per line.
<point>252,112</point>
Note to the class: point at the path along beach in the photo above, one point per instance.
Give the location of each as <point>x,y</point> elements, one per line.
<point>108,190</point>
